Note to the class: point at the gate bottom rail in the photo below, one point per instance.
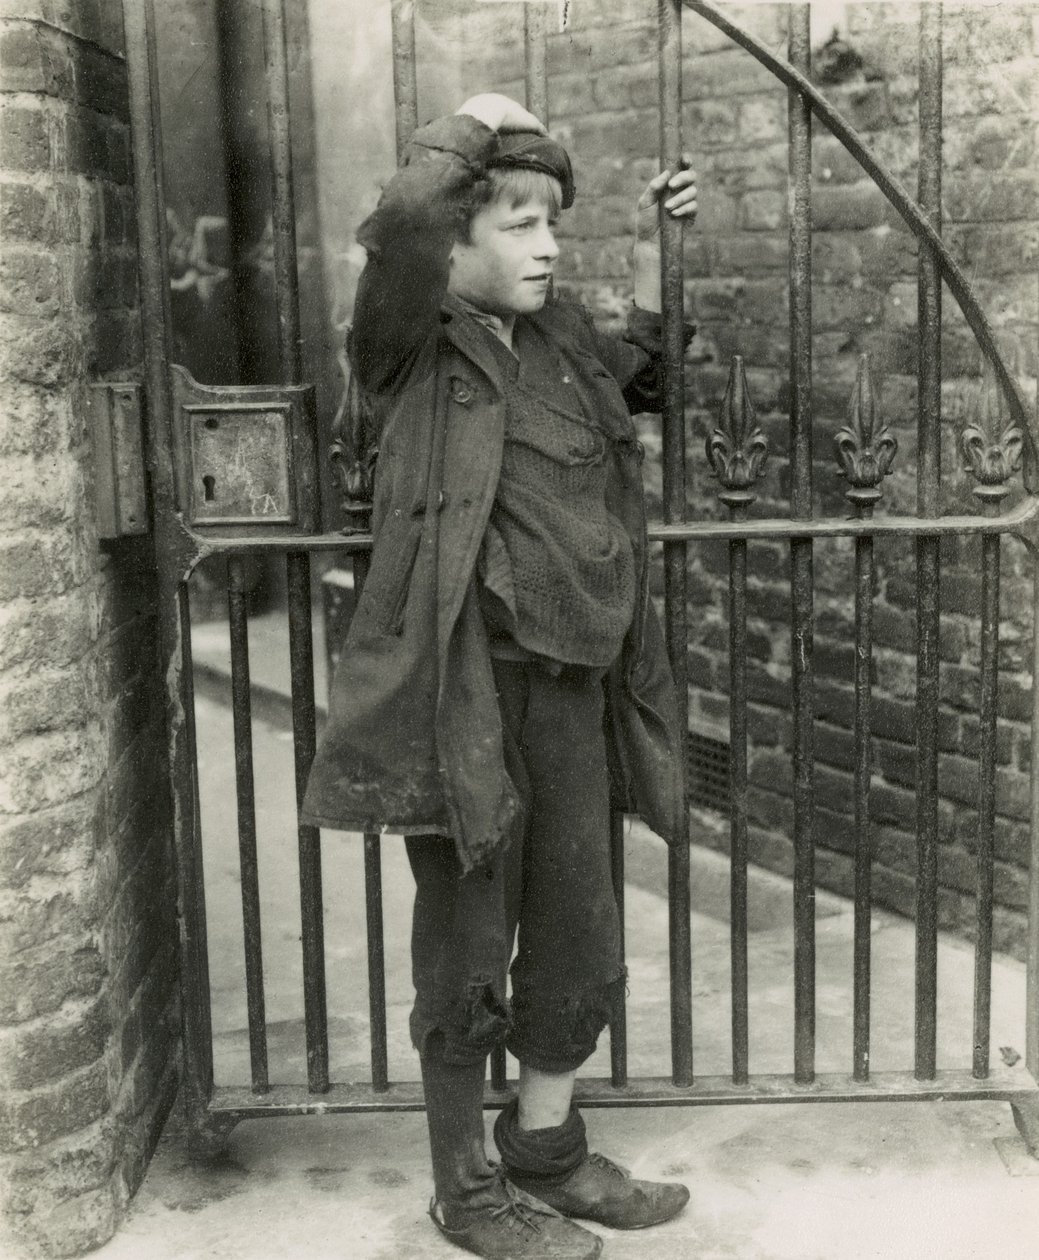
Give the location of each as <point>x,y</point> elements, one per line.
<point>1012,1085</point>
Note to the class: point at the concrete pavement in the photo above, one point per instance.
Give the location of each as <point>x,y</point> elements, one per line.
<point>796,1182</point>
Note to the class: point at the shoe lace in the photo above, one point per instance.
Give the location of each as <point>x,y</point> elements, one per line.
<point>514,1213</point>
<point>607,1165</point>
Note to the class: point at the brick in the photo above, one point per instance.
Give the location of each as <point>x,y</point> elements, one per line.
<point>763,119</point>
<point>36,1054</point>
<point>47,700</point>
<point>45,216</point>
<point>985,35</point>
<point>46,632</point>
<point>101,82</point>
<point>63,1168</point>
<point>105,280</point>
<point>994,144</point>
<point>610,13</point>
<point>843,307</point>
<point>990,196</point>
<point>729,72</point>
<point>39,353</point>
<point>35,59</point>
<point>78,1224</point>
<point>754,253</point>
<point>41,493</point>
<point>850,207</point>
<point>835,747</point>
<point>980,89</point>
<point>31,1119</point>
<point>763,211</point>
<point>586,51</point>
<point>771,809</point>
<point>831,161</point>
<point>47,769</point>
<point>29,139</point>
<point>711,123</point>
<point>39,978</point>
<point>39,564</point>
<point>54,841</point>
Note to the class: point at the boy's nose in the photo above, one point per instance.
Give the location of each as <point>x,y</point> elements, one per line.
<point>546,246</point>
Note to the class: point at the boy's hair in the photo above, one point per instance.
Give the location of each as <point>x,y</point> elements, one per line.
<point>515,185</point>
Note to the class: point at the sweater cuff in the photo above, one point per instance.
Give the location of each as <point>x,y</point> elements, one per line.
<point>460,134</point>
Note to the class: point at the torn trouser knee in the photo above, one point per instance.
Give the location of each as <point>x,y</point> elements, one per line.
<point>471,1027</point>
<point>557,1033</point>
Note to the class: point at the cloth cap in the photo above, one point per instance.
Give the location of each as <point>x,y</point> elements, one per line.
<point>534,152</point>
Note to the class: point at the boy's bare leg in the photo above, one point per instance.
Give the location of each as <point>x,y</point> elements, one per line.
<point>545,1152</point>
<point>544,1097</point>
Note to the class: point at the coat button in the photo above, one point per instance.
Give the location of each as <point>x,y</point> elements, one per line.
<point>461,391</point>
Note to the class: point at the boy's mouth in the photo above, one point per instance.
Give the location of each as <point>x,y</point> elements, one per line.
<point>542,276</point>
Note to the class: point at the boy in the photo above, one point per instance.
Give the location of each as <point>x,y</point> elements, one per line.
<point>504,675</point>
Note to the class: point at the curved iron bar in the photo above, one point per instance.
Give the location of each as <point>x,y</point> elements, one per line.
<point>921,226</point>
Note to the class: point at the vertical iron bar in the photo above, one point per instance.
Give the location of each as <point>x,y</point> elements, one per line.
<point>674,495</point>
<point>619,1014</point>
<point>376,963</point>
<point>297,564</point>
<point>738,801</point>
<point>800,128</point>
<point>301,661</point>
<point>864,569</point>
<point>990,546</point>
<point>1032,972</point>
<point>535,59</point>
<point>927,555</point>
<point>283,205</point>
<point>173,606</point>
<point>373,915</point>
<point>405,79</point>
<point>250,875</point>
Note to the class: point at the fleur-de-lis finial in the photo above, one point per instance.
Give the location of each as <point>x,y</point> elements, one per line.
<point>737,449</point>
<point>352,453</point>
<point>992,447</point>
<point>864,452</point>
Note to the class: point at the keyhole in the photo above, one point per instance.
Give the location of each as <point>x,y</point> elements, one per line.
<point>209,483</point>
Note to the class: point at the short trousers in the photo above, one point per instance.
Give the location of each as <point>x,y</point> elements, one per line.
<point>552,881</point>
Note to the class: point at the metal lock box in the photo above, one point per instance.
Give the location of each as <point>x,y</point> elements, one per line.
<point>245,455</point>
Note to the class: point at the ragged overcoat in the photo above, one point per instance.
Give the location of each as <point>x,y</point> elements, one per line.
<point>413,743</point>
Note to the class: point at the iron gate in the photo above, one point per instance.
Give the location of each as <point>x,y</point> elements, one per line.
<point>195,518</point>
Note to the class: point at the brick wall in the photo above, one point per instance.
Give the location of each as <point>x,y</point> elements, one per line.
<point>87,932</point>
<point>603,94</point>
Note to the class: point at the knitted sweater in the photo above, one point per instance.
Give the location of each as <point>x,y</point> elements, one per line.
<point>557,571</point>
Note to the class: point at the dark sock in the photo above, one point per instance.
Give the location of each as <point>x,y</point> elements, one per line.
<point>550,1155</point>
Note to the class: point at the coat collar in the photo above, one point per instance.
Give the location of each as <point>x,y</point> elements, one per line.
<point>463,331</point>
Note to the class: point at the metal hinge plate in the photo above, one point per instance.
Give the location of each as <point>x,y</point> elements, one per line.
<point>121,493</point>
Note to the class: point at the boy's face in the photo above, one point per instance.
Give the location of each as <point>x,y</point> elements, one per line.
<point>506,267</point>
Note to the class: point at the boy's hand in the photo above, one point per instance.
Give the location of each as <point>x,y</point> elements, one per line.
<point>500,113</point>
<point>679,190</point>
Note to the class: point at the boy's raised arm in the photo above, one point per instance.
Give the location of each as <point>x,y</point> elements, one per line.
<point>410,234</point>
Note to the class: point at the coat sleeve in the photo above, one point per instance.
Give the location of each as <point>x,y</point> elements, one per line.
<point>635,360</point>
<point>408,238</point>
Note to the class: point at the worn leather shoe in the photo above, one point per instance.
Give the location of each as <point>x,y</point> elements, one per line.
<point>519,1227</point>
<point>600,1190</point>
